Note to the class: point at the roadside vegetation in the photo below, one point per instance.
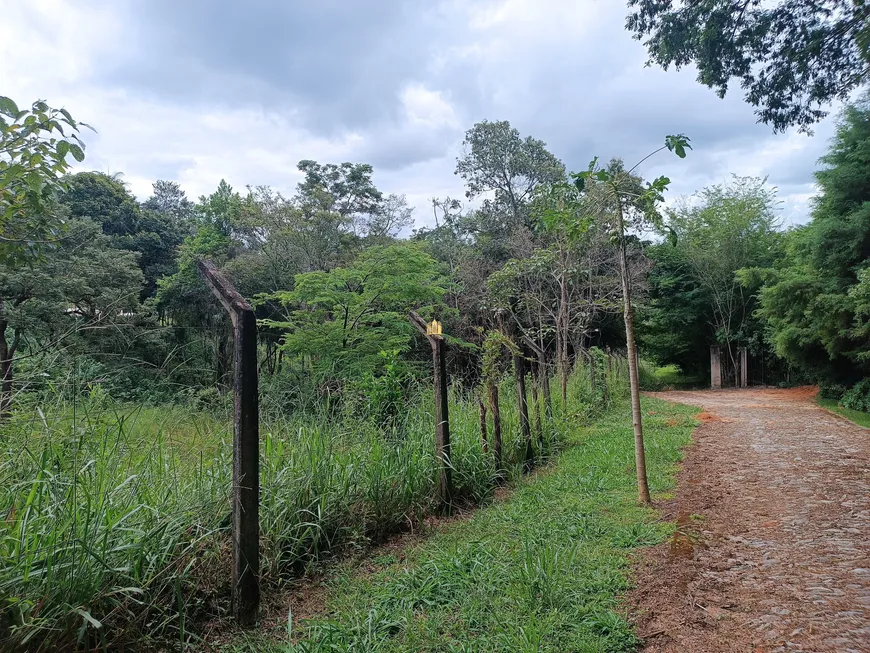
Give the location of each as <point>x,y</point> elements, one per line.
<point>542,570</point>
<point>116,362</point>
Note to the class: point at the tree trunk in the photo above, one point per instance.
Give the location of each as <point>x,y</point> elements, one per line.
<point>483,435</point>
<point>496,423</point>
<point>639,454</point>
<point>545,384</point>
<point>563,348</point>
<point>522,404</point>
<point>536,404</point>
<point>7,352</point>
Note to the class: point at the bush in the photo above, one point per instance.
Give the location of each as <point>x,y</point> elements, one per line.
<point>833,391</point>
<point>858,396</point>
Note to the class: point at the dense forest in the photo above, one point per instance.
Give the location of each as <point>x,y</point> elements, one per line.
<point>559,295</point>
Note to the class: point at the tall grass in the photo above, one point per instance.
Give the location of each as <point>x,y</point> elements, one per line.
<point>114,519</point>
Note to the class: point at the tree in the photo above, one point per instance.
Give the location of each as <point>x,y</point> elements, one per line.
<point>497,160</point>
<point>807,302</point>
<point>722,229</point>
<point>392,216</point>
<point>81,285</point>
<point>581,261</point>
<point>170,201</point>
<point>346,189</point>
<point>33,161</point>
<point>154,235</point>
<point>674,327</point>
<point>345,318</point>
<point>619,198</point>
<point>792,57</point>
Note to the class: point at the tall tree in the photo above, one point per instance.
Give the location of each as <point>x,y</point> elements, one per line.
<point>168,199</point>
<point>154,235</point>
<point>497,160</point>
<point>345,318</point>
<point>722,229</point>
<point>792,57</point>
<point>346,189</point>
<point>620,200</point>
<point>80,285</point>
<point>808,302</point>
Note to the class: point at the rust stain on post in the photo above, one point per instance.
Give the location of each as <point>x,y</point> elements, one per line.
<point>246,443</point>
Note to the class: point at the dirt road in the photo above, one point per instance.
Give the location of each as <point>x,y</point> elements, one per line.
<point>773,549</point>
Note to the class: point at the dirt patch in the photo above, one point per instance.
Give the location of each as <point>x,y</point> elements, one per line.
<point>772,546</point>
<point>705,417</point>
<point>802,393</point>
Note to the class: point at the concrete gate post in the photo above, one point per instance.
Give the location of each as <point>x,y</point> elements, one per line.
<point>715,368</point>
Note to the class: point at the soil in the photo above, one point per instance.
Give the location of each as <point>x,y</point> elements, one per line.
<point>772,547</point>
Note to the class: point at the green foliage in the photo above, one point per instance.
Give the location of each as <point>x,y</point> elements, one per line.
<point>345,318</point>
<point>792,57</point>
<point>813,303</point>
<point>153,235</point>
<point>34,146</point>
<point>858,396</point>
<point>858,417</point>
<point>497,160</point>
<point>540,571</point>
<point>385,391</point>
<point>696,297</point>
<point>115,517</point>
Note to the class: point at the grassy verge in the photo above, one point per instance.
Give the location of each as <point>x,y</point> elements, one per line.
<point>114,527</point>
<point>860,418</point>
<point>541,571</point>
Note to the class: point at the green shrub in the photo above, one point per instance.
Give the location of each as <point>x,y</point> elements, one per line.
<point>858,396</point>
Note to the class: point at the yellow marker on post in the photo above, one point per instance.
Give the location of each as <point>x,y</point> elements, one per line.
<point>433,328</point>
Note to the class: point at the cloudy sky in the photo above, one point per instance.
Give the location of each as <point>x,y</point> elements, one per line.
<point>199,90</point>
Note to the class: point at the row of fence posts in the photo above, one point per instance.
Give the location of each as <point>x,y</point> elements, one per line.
<point>246,486</point>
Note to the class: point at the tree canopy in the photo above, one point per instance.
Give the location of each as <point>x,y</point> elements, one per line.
<point>793,58</point>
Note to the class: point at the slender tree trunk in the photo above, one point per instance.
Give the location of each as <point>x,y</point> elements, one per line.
<point>496,423</point>
<point>536,404</point>
<point>483,434</point>
<point>563,349</point>
<point>639,454</point>
<point>523,405</point>
<point>545,384</point>
<point>7,354</point>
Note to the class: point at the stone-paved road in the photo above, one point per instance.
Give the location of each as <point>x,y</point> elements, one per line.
<point>774,551</point>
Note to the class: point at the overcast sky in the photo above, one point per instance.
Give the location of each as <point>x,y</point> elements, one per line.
<point>199,90</point>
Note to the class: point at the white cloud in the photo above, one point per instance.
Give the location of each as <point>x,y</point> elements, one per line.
<point>561,70</point>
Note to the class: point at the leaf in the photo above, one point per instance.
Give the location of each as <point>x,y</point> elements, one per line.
<point>77,152</point>
<point>89,617</point>
<point>8,107</point>
<point>62,149</point>
<point>678,144</point>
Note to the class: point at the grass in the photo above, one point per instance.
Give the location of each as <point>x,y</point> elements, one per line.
<point>666,377</point>
<point>114,519</point>
<point>541,571</point>
<point>858,417</point>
